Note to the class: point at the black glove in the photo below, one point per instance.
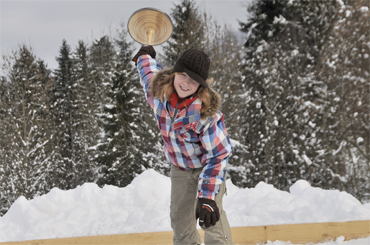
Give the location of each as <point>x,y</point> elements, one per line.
<point>146,49</point>
<point>208,212</point>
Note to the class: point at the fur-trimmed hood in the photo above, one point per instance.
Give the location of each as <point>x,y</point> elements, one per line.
<point>215,97</point>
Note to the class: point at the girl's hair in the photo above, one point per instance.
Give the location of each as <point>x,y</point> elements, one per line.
<point>163,86</point>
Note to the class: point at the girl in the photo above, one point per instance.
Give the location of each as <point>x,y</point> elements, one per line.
<point>196,143</point>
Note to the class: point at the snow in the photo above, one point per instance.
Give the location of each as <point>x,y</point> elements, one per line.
<point>279,20</point>
<point>108,106</point>
<point>143,206</point>
<point>364,9</point>
<point>307,159</point>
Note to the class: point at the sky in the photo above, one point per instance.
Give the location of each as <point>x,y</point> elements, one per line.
<point>43,24</point>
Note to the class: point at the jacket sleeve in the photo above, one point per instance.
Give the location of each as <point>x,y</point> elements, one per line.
<point>147,68</point>
<point>217,149</point>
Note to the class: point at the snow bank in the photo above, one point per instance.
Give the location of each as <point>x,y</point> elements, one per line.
<point>266,205</point>
<point>143,206</point>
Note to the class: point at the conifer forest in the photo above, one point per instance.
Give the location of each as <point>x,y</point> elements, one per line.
<point>295,88</point>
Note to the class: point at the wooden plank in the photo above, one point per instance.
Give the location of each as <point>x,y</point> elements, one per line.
<point>295,233</point>
<point>316,232</point>
<point>350,230</point>
<point>249,235</point>
<point>133,238</point>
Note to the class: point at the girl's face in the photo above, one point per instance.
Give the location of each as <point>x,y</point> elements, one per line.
<point>184,85</point>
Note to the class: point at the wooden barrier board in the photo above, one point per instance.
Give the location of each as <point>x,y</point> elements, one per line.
<point>295,233</point>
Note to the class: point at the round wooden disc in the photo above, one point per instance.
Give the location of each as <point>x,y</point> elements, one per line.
<point>152,24</point>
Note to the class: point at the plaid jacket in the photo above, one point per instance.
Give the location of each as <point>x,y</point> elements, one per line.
<point>189,141</point>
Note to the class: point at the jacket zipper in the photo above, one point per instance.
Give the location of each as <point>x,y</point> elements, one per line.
<point>175,112</point>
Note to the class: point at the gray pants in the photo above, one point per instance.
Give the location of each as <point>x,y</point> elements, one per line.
<point>184,189</point>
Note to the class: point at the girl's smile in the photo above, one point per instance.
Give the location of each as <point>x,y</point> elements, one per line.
<point>184,85</point>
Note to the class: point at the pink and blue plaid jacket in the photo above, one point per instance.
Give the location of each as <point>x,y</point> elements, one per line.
<point>189,142</point>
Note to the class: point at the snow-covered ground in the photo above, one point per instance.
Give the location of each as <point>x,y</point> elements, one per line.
<point>143,206</point>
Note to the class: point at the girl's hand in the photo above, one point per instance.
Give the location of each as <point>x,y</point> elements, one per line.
<point>146,49</point>
<point>208,212</point>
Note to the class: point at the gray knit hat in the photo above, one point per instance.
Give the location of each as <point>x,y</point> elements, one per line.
<point>195,63</point>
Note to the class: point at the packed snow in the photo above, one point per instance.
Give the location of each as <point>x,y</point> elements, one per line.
<point>143,206</point>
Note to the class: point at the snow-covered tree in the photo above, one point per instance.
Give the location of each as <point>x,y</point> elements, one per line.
<point>64,106</point>
<point>146,137</point>
<point>261,23</point>
<point>344,65</point>
<point>280,128</point>
<point>306,73</point>
<point>129,144</point>
<point>4,146</point>
<point>118,163</point>
<point>188,31</point>
<point>223,47</point>
<point>86,127</point>
<point>24,132</point>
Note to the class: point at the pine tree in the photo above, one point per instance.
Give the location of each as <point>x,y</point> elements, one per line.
<point>149,150</point>
<point>5,147</point>
<point>344,64</point>
<point>86,126</point>
<point>101,62</point>
<point>24,131</point>
<point>64,109</point>
<point>101,59</point>
<point>188,31</point>
<point>261,23</point>
<point>117,150</point>
<point>282,114</point>
<point>225,52</point>
<point>126,120</point>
